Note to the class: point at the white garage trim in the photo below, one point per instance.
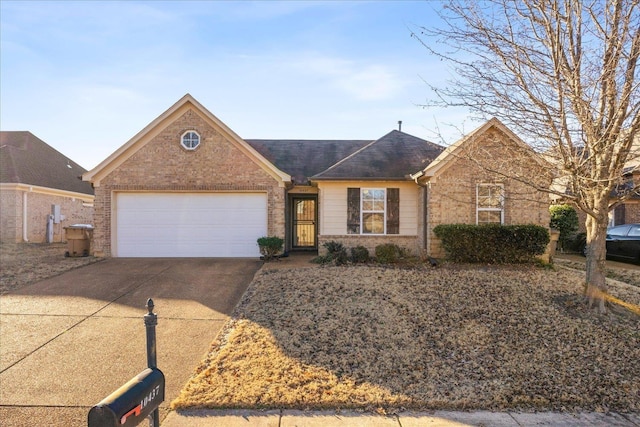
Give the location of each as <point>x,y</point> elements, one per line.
<point>188,224</point>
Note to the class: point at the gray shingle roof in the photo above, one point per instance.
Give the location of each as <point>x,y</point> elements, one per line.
<point>302,158</point>
<point>394,157</point>
<point>26,159</point>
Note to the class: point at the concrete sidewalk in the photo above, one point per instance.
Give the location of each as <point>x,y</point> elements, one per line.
<point>290,418</point>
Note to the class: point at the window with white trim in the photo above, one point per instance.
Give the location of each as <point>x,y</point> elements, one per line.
<point>373,203</point>
<point>373,211</point>
<point>489,204</point>
<point>190,140</point>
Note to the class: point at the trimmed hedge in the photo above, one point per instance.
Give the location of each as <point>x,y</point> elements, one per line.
<point>270,247</point>
<point>492,243</point>
<point>389,253</point>
<point>360,254</point>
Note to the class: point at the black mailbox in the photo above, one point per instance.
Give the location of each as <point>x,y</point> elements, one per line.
<point>132,403</point>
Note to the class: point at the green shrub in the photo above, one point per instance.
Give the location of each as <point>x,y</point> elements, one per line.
<point>492,243</point>
<point>320,259</point>
<point>389,253</point>
<point>336,254</point>
<point>360,254</point>
<point>270,246</point>
<point>564,218</point>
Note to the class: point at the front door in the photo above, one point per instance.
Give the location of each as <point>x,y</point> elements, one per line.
<point>304,223</point>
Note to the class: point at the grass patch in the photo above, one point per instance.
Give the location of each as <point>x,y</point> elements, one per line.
<point>26,263</point>
<point>629,276</point>
<point>456,337</point>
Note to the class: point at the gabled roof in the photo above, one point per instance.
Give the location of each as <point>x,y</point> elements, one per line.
<point>184,104</point>
<point>302,158</point>
<point>26,159</point>
<point>455,150</point>
<point>393,157</point>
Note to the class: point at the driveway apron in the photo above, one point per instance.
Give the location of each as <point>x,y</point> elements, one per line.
<point>69,341</point>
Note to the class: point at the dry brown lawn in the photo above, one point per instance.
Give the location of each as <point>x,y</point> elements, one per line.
<point>456,337</point>
<point>25,263</point>
<point>629,275</point>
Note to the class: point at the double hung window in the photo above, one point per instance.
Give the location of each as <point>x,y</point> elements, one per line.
<point>490,204</point>
<point>373,210</point>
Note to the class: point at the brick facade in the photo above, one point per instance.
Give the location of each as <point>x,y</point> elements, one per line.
<point>11,218</point>
<point>490,158</point>
<point>410,243</point>
<point>155,161</point>
<point>631,212</point>
<point>163,165</point>
<point>75,210</point>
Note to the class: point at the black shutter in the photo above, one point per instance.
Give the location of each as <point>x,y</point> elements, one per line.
<point>393,211</point>
<point>353,211</point>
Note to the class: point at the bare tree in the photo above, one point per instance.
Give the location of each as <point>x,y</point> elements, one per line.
<point>564,75</point>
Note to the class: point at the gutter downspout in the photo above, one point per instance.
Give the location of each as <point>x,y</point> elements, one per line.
<point>425,204</point>
<point>25,234</point>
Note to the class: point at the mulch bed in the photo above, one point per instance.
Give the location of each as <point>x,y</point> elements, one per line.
<point>455,337</point>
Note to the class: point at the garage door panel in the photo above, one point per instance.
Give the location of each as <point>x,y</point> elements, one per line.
<point>190,224</point>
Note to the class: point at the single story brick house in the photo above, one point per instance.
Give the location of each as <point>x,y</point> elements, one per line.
<point>187,185</point>
<point>36,181</point>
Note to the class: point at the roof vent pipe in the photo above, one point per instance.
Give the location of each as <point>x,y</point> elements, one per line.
<point>400,125</point>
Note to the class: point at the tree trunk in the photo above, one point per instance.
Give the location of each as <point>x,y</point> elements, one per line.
<point>596,285</point>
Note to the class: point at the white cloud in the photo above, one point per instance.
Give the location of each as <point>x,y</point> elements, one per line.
<point>373,82</point>
<point>358,78</point>
<point>268,69</point>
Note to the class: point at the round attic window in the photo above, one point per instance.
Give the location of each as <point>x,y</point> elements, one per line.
<point>190,140</point>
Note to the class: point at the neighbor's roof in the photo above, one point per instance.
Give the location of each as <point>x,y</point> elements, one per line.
<point>303,158</point>
<point>393,157</point>
<point>26,159</point>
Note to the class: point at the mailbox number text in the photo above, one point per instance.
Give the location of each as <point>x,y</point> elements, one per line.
<point>150,397</point>
<point>143,404</point>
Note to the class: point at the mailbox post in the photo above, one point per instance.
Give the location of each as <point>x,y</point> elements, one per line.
<point>141,396</point>
<point>150,322</point>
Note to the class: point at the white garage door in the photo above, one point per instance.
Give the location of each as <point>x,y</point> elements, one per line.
<point>190,224</point>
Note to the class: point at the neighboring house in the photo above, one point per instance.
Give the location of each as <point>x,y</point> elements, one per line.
<point>37,181</point>
<point>628,211</point>
<point>187,185</point>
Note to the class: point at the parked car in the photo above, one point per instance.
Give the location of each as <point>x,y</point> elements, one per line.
<point>623,242</point>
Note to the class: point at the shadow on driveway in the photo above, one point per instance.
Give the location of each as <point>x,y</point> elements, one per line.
<point>70,340</point>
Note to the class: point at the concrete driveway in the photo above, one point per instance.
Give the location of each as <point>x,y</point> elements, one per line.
<point>69,341</point>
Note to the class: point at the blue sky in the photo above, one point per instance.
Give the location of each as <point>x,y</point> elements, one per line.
<point>85,77</point>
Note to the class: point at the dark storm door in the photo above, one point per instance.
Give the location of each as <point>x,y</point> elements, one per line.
<point>304,223</point>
